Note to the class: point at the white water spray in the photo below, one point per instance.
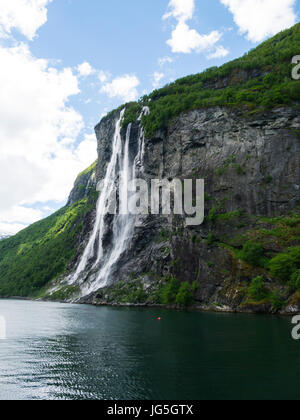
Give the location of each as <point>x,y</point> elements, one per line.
<point>139,160</point>
<point>105,194</point>
<point>120,171</point>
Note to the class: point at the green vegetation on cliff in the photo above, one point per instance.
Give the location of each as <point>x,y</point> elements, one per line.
<point>260,79</point>
<point>257,290</point>
<point>87,171</point>
<point>284,266</point>
<point>268,249</point>
<point>163,291</point>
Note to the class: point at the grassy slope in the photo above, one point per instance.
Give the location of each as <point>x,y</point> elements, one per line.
<point>42,252</point>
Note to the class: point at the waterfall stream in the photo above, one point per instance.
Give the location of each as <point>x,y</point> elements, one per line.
<point>122,169</point>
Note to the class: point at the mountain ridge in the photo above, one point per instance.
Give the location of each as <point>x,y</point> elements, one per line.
<point>248,156</point>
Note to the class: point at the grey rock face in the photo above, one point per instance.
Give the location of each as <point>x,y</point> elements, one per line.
<point>84,184</point>
<point>255,160</point>
<point>249,163</point>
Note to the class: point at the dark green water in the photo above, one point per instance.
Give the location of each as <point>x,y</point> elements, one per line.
<point>56,351</point>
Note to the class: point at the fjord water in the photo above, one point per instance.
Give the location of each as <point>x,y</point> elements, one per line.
<point>60,351</point>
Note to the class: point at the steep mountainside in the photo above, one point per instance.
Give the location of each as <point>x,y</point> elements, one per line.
<point>236,127</point>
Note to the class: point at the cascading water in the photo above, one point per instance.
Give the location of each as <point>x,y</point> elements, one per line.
<point>121,171</point>
<point>105,194</point>
<point>139,160</point>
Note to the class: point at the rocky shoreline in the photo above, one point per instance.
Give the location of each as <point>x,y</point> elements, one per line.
<point>257,310</point>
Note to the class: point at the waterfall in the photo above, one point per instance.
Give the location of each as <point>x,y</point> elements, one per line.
<point>105,194</point>
<point>139,160</point>
<point>121,170</point>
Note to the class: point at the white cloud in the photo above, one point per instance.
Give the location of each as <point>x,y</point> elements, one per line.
<point>10,228</point>
<point>124,87</point>
<point>182,10</point>
<point>39,152</point>
<point>85,69</point>
<point>157,78</point>
<point>104,76</point>
<point>20,178</point>
<point>184,39</point>
<point>64,168</point>
<point>17,218</point>
<point>48,209</point>
<point>21,214</point>
<point>220,52</point>
<point>27,16</point>
<point>165,60</point>
<point>259,19</point>
<point>86,150</point>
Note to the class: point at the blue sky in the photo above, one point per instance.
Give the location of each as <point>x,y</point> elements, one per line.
<point>65,63</point>
<point>129,41</point>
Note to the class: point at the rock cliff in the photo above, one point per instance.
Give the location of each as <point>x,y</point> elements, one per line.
<point>251,171</point>
<point>84,185</point>
<point>238,128</point>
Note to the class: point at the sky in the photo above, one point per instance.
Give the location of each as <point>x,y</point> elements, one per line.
<point>65,63</point>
